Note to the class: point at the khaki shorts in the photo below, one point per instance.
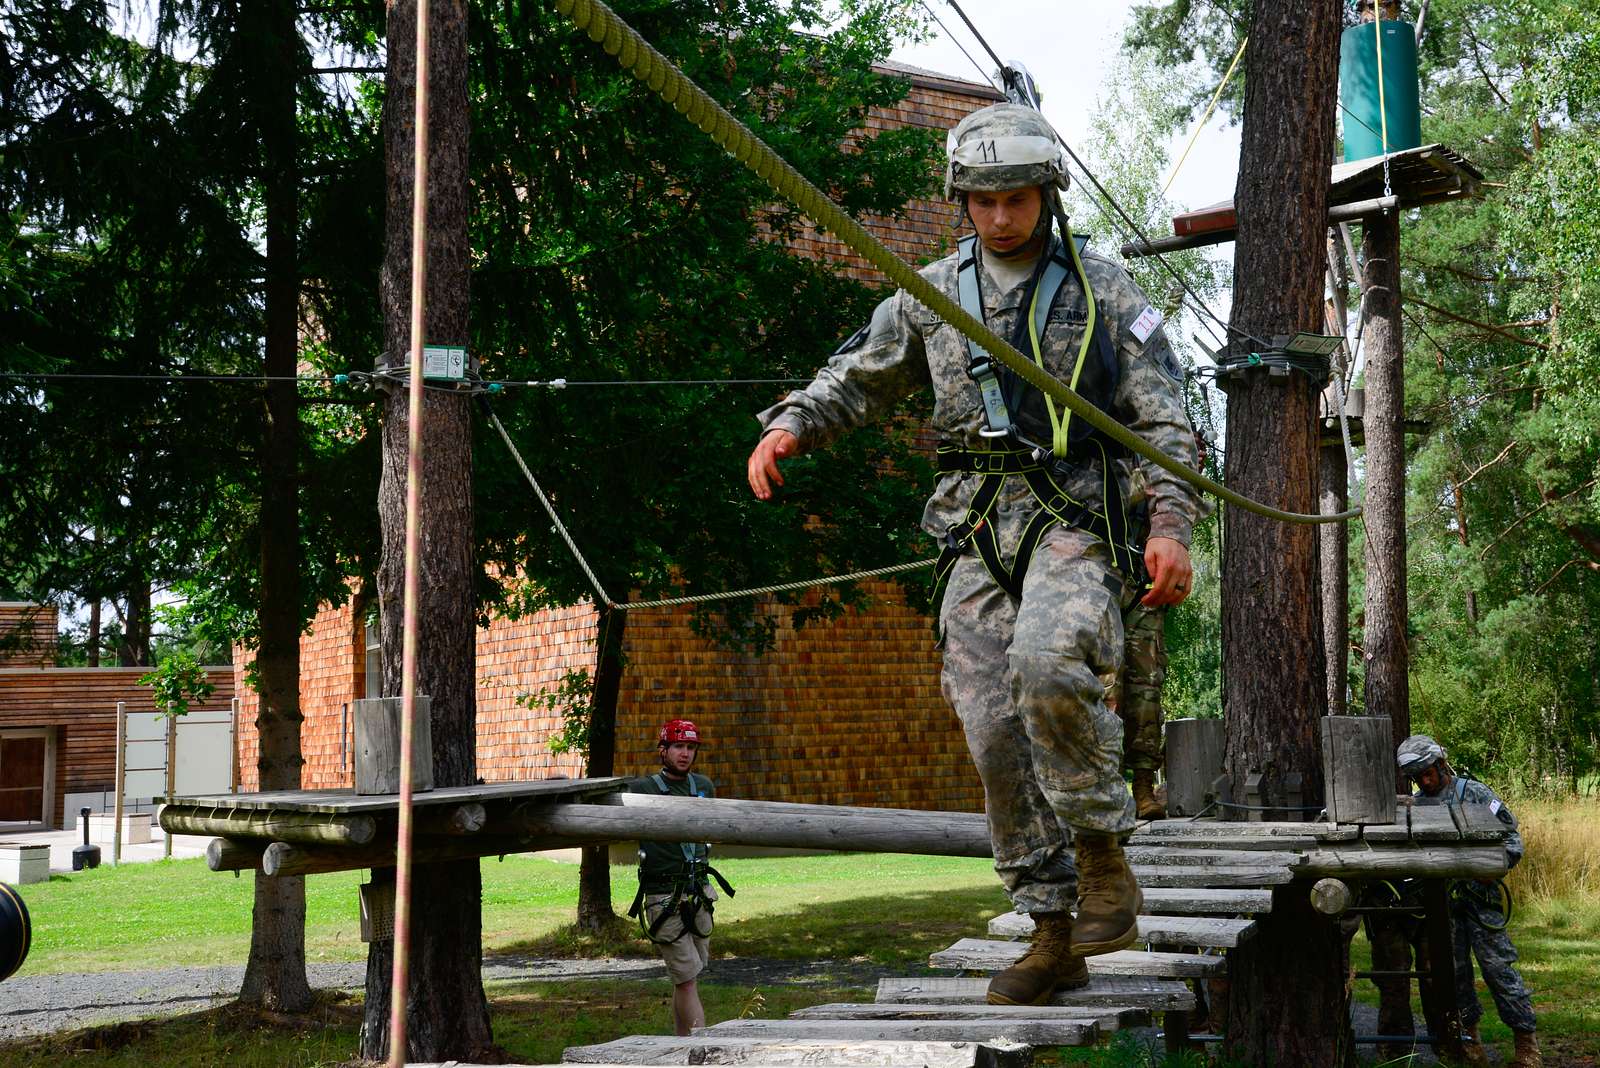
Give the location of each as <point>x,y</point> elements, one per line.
<point>684,957</point>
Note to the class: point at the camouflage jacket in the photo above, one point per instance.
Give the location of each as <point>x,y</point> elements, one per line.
<point>1465,791</point>
<point>907,347</point>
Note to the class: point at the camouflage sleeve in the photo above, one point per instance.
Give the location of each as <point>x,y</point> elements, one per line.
<point>1150,401</point>
<point>876,368</point>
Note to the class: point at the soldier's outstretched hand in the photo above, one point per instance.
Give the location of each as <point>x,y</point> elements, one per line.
<point>762,467</point>
<point>1171,574</point>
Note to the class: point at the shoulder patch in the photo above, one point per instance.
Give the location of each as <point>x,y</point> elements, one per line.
<point>1145,324</point>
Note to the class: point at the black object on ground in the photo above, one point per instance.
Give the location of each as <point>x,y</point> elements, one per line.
<point>86,855</point>
<point>16,931</point>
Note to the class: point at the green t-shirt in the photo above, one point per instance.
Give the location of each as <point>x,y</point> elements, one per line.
<point>664,863</point>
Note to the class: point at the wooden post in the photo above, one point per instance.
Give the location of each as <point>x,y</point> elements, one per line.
<point>120,777</point>
<point>233,780</point>
<point>172,778</point>
<point>1194,760</point>
<point>1438,989</point>
<point>1331,897</point>
<point>1358,768</point>
<point>377,723</point>
<point>1333,539</point>
<point>1384,633</point>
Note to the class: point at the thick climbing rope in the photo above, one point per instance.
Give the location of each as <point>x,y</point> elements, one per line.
<point>649,66</point>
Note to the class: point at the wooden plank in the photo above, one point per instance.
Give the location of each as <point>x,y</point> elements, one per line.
<point>1398,831</point>
<point>1035,1031</point>
<point>1152,855</point>
<point>982,954</point>
<point>1159,995</point>
<point>1433,823</point>
<point>1446,860</point>
<point>1209,876</point>
<point>346,801</point>
<point>1322,832</point>
<point>1245,843</point>
<point>1110,1018</point>
<point>1210,931</point>
<point>1358,768</point>
<point>703,1049</point>
<point>1478,823</point>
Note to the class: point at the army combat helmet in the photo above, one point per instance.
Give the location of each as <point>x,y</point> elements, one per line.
<point>1003,146</point>
<point>1417,754</point>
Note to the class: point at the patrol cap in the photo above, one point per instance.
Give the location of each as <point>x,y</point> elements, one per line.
<point>1003,146</point>
<point>1417,754</point>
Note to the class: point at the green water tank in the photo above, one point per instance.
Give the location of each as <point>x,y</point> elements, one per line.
<point>1358,89</point>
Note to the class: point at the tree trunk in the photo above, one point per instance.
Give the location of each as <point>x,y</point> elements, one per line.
<point>447,1014</point>
<point>1384,633</point>
<point>133,649</point>
<point>275,976</point>
<point>1288,1000</point>
<point>93,642</point>
<point>594,874</point>
<point>1334,542</point>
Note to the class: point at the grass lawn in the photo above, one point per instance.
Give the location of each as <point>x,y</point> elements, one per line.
<point>888,909</point>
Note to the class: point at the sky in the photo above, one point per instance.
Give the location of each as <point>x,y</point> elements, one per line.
<point>1068,46</point>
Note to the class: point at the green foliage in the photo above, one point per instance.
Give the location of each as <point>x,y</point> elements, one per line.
<point>573,700</point>
<point>177,682</point>
<point>617,243</point>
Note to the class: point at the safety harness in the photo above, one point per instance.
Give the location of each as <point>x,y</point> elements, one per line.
<point>1095,373</point>
<point>686,884</point>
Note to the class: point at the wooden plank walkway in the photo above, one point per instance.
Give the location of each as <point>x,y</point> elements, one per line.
<point>347,801</point>
<point>987,955</point>
<point>1161,995</point>
<point>1223,932</point>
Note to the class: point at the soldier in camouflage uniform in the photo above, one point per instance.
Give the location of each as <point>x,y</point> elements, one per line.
<point>1023,656</point>
<point>1475,914</point>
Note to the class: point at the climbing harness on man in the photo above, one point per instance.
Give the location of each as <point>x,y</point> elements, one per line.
<point>679,871</point>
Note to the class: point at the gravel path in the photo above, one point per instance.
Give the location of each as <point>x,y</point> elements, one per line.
<point>36,1005</point>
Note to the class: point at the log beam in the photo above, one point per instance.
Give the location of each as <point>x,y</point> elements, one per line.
<point>305,827</point>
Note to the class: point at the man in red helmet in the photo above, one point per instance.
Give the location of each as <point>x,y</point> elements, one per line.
<point>674,903</point>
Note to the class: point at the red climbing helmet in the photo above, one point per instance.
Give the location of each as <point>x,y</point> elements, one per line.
<point>678,730</point>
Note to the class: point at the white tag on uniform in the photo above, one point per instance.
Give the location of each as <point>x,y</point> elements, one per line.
<point>1494,807</point>
<point>1146,324</point>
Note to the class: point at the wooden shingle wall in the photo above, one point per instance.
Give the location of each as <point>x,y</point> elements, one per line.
<point>27,634</point>
<point>81,704</point>
<point>332,674</point>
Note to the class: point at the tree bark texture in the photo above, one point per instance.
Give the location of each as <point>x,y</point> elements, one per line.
<point>1383,638</point>
<point>1274,676</point>
<point>1334,543</point>
<point>446,1012</point>
<point>133,648</point>
<point>275,975</point>
<point>594,872</point>
<point>1287,1000</point>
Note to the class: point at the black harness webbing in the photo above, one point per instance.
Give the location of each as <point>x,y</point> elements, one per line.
<point>1055,506</point>
<point>1042,470</point>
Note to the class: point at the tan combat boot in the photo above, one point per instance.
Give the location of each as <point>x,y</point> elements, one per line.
<point>1527,1054</point>
<point>1108,897</point>
<point>1144,795</point>
<point>1048,965</point>
<point>1473,1055</point>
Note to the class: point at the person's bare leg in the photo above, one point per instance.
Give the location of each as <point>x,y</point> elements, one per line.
<point>687,1012</point>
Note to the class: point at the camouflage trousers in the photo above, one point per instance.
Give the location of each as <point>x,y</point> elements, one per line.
<point>1135,692</point>
<point>1497,961</point>
<point>1023,676</point>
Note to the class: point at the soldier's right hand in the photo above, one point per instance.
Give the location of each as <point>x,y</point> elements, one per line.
<point>762,467</point>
